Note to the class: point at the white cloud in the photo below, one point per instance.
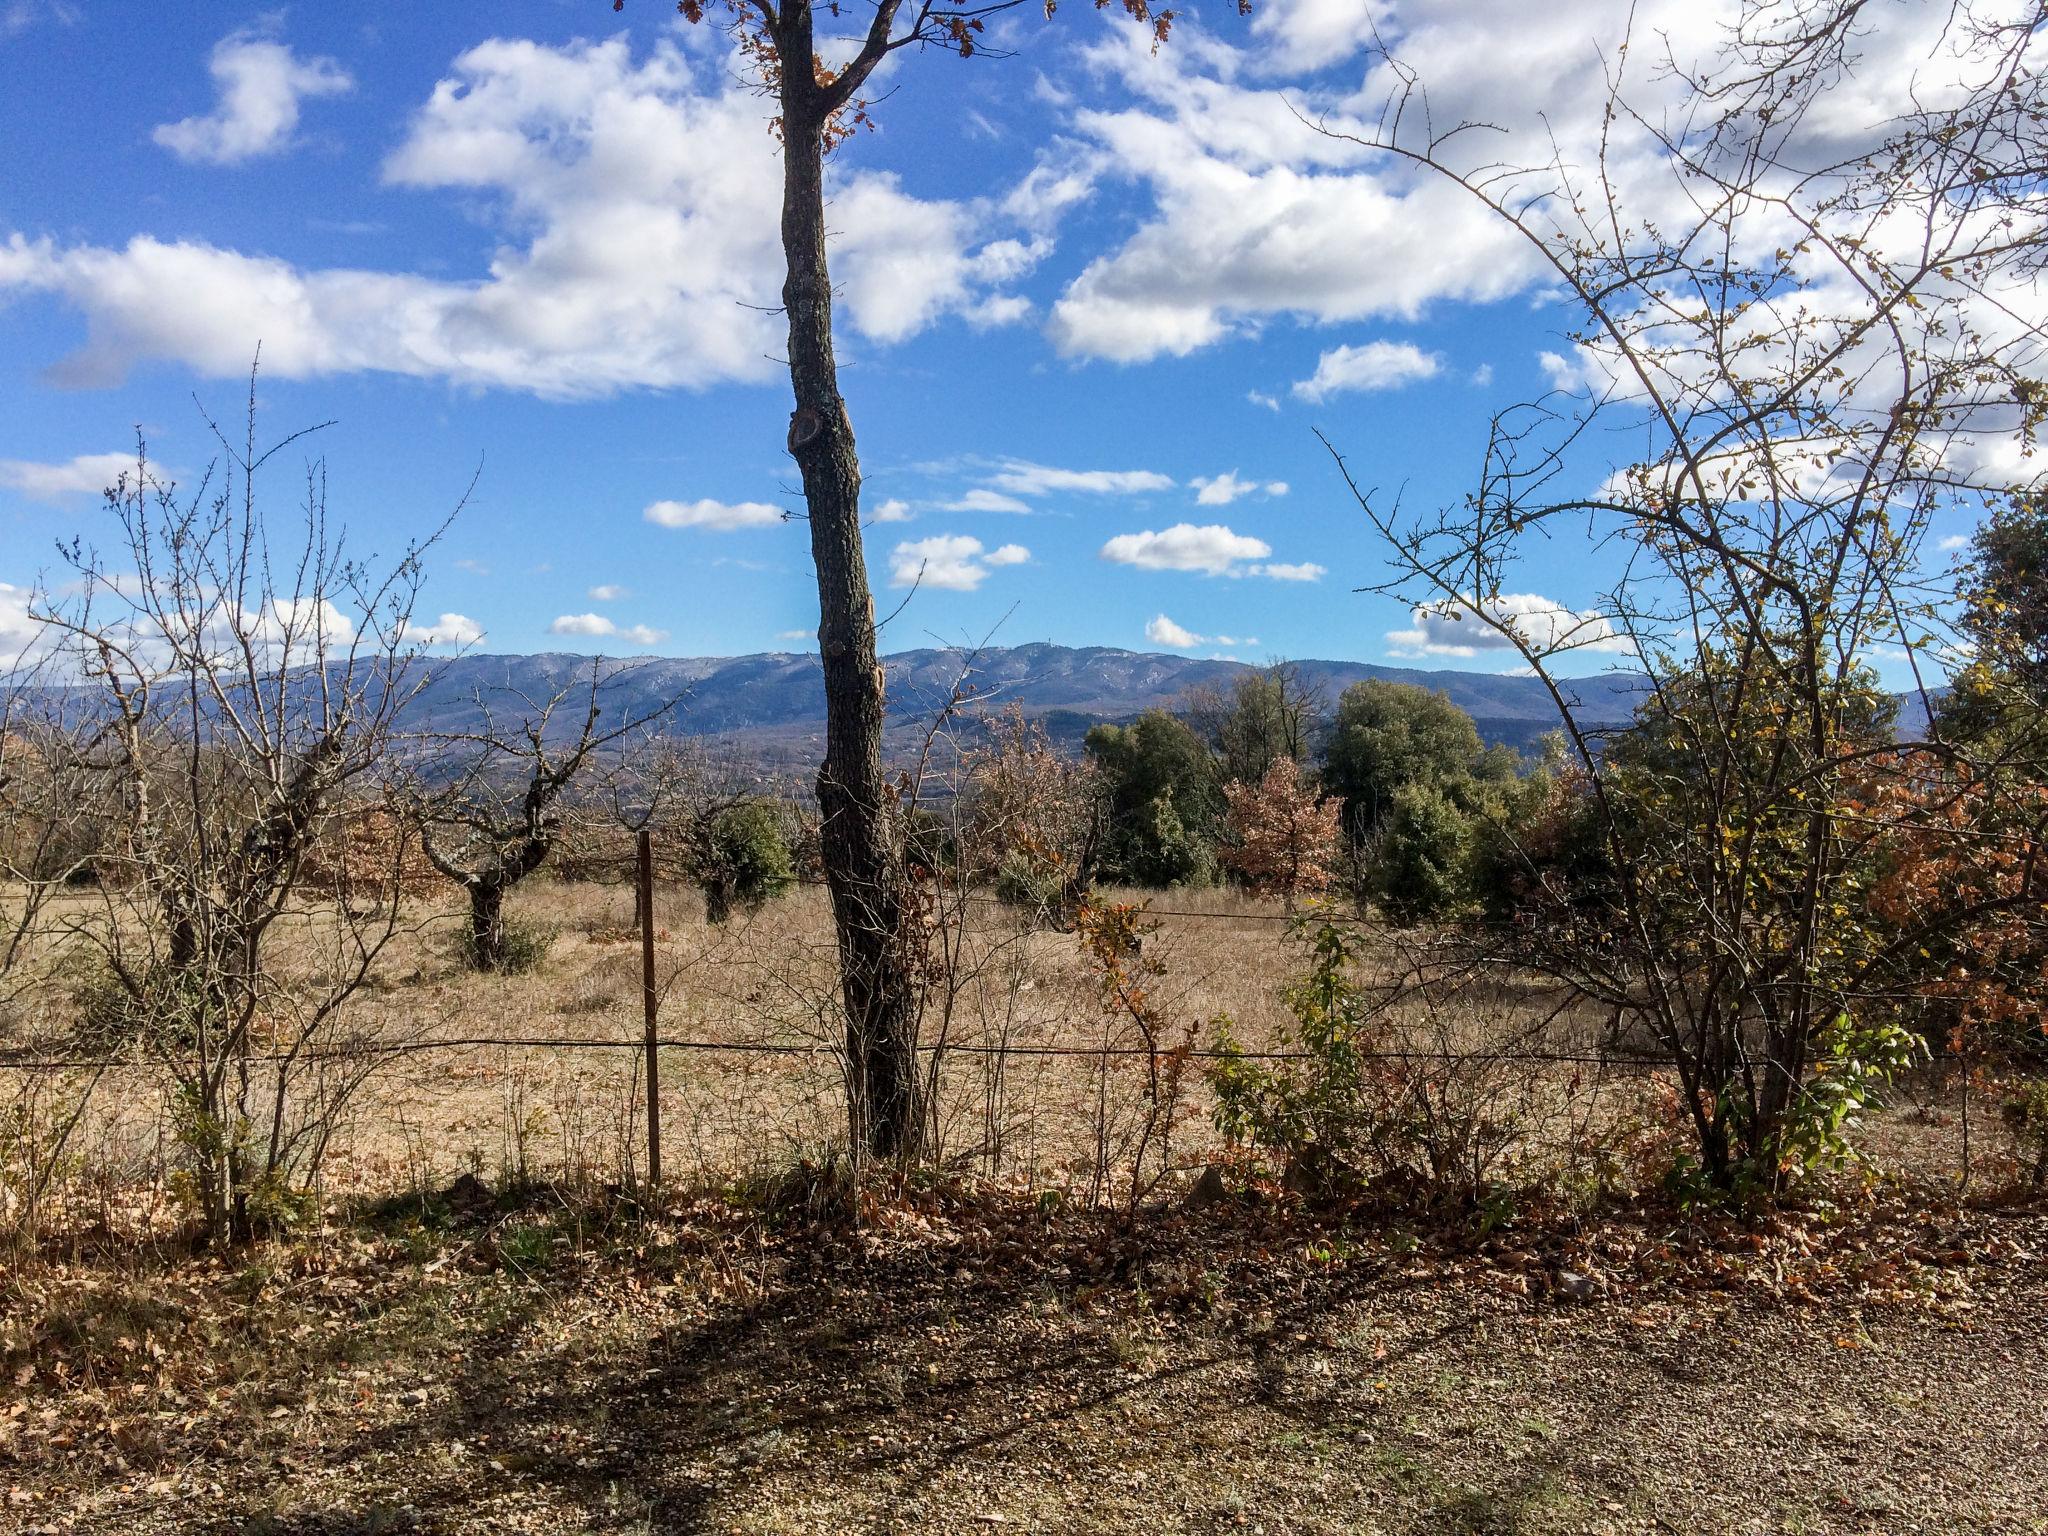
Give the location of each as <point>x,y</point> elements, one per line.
<point>19,633</point>
<point>1570,374</point>
<point>1161,630</point>
<point>1953,542</point>
<point>893,511</point>
<point>1221,490</point>
<point>954,562</point>
<point>597,626</point>
<point>259,85</point>
<point>1254,213</point>
<point>981,499</point>
<point>1305,570</point>
<point>1482,375</point>
<point>87,475</point>
<point>449,629</point>
<point>1025,479</point>
<point>607,593</point>
<point>1260,397</point>
<point>634,206</point>
<point>715,516</point>
<point>19,15</point>
<point>796,634</point>
<point>1544,624</point>
<point>1212,549</point>
<point>1305,35</point>
<point>1376,365</point>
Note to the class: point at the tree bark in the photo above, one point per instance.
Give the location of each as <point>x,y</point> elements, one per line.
<point>853,795</point>
<point>486,925</point>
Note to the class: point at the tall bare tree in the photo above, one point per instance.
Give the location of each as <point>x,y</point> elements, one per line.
<point>819,103</point>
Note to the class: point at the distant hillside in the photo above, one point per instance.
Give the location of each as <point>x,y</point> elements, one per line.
<point>773,703</point>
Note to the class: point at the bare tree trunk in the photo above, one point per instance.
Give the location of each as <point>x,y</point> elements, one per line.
<point>853,795</point>
<point>486,925</point>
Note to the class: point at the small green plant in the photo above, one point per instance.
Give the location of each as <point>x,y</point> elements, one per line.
<point>1854,1064</point>
<point>1306,1111</point>
<point>525,946</point>
<point>1349,1104</point>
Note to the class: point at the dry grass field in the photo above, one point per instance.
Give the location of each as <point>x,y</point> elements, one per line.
<point>1042,1336</point>
<point>752,1084</point>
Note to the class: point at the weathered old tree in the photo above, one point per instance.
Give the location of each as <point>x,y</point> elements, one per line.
<point>817,107</point>
<point>229,689</point>
<point>493,814</point>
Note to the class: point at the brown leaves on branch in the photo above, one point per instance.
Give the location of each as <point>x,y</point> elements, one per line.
<point>1283,834</point>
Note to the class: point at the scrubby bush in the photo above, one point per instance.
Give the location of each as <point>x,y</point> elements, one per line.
<point>746,861</point>
<point>1353,1107</point>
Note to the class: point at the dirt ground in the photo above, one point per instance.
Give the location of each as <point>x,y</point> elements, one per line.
<point>963,1368</point>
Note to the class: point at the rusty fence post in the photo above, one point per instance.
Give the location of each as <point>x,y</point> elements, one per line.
<point>650,1005</point>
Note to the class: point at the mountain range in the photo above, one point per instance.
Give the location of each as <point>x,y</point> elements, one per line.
<point>771,705</point>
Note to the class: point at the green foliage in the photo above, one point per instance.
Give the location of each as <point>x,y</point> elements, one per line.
<point>746,860</point>
<point>1999,702</point>
<point>1166,802</point>
<point>1421,869</point>
<point>1024,881</point>
<point>1387,735</point>
<point>1854,1063</point>
<point>523,948</point>
<point>1356,1107</point>
<point>2025,1113</point>
<point>1266,717</point>
<point>1306,1111</point>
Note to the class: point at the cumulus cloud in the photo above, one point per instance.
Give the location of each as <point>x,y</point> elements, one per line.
<point>1306,35</point>
<point>955,562</point>
<point>87,475</point>
<point>635,208</point>
<point>1545,625</point>
<point>1254,213</point>
<point>1221,490</point>
<point>1210,548</point>
<point>19,633</point>
<point>1376,365</point>
<point>1161,630</point>
<point>258,85</point>
<point>607,593</point>
<point>450,629</point>
<point>1953,542</point>
<point>597,626</point>
<point>893,511</point>
<point>714,516</point>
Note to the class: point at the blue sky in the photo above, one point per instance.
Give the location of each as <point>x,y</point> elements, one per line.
<point>1094,305</point>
